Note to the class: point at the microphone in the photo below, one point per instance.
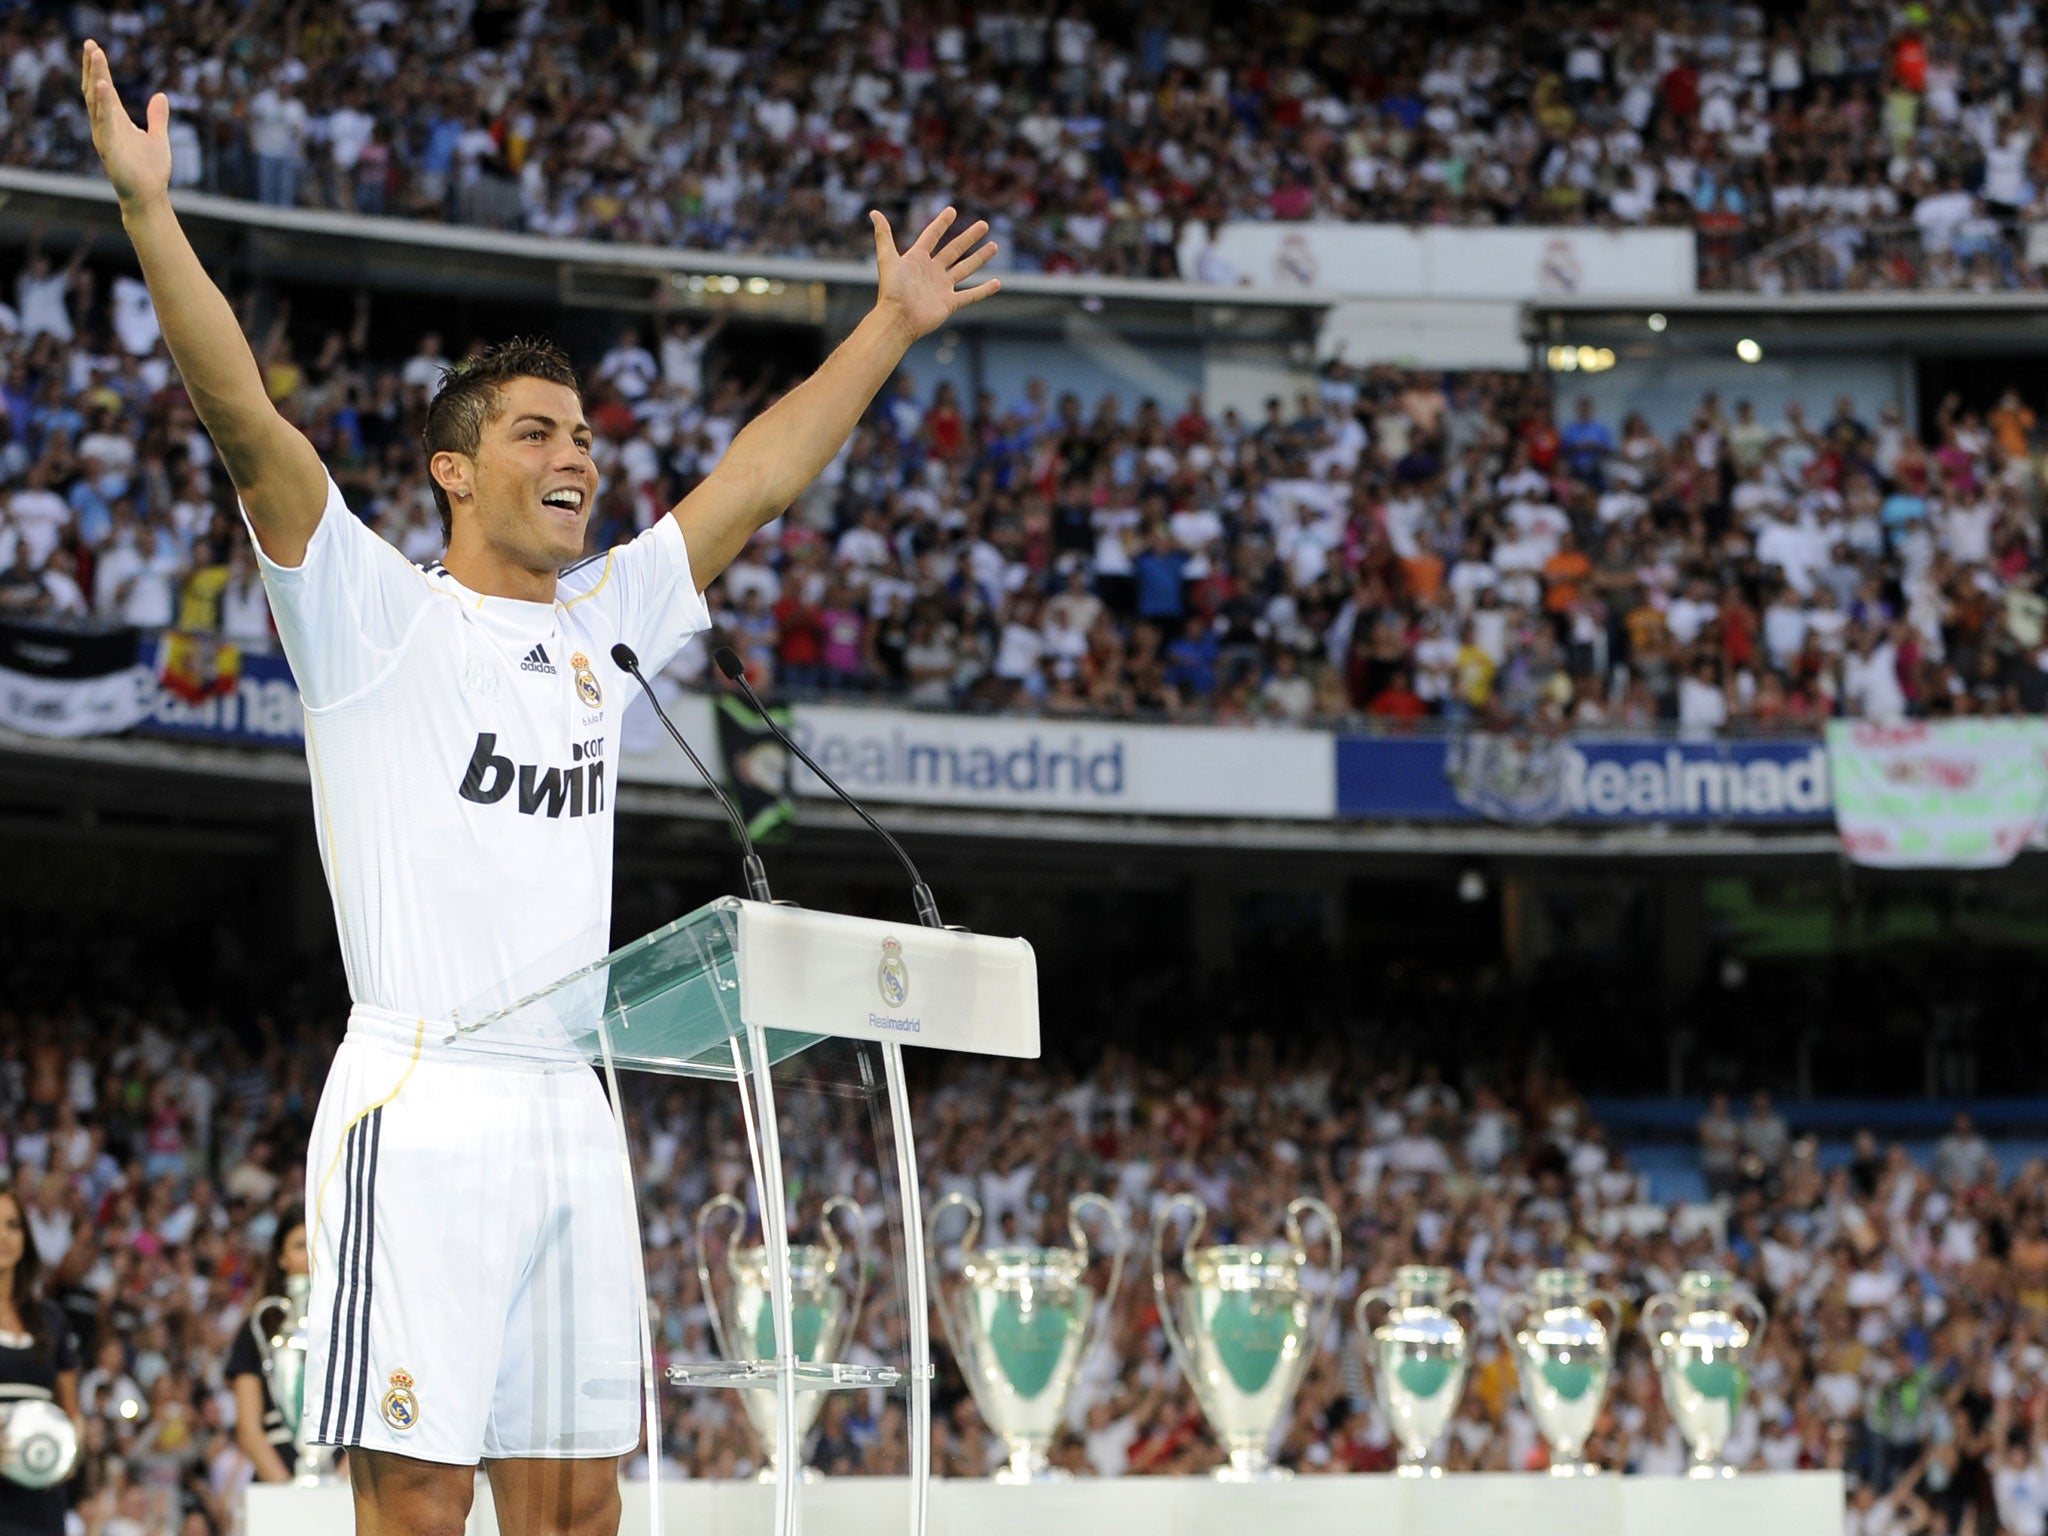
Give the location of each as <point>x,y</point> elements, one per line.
<point>756,872</point>
<point>727,660</point>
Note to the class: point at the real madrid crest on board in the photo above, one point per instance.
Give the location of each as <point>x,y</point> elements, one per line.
<point>586,680</point>
<point>894,975</point>
<point>400,1407</point>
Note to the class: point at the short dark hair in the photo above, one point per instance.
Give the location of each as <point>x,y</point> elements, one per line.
<point>467,401</point>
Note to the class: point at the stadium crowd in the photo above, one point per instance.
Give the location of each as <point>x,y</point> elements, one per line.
<point>1386,547</point>
<point>1841,146</point>
<point>154,1150</point>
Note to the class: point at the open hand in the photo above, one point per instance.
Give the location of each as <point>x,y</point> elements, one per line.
<point>920,285</point>
<point>138,160</point>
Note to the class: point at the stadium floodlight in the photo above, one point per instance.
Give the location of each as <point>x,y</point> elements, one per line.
<point>1749,351</point>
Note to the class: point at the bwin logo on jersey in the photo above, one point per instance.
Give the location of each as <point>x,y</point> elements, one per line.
<point>578,789</point>
<point>537,661</point>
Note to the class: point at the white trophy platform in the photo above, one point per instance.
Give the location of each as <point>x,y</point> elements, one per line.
<point>1469,1504</point>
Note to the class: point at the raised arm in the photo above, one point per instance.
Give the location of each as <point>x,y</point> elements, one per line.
<point>783,449</point>
<point>275,469</point>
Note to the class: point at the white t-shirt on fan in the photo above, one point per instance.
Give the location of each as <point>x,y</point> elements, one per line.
<point>464,754</point>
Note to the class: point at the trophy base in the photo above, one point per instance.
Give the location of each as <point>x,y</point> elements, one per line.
<point>1014,1476</point>
<point>1709,1471</point>
<point>1250,1467</point>
<point>1574,1469</point>
<point>1418,1469</point>
<point>805,1475</point>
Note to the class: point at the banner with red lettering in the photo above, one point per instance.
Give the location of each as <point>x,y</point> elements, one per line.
<point>1946,794</point>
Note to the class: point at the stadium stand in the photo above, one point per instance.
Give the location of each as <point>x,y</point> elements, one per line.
<point>1394,548</point>
<point>153,1150</point>
<point>1841,148</point>
<point>1386,550</point>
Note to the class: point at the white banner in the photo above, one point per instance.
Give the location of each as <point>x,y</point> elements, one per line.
<point>1394,261</point>
<point>76,706</point>
<point>1048,765</point>
<point>1004,763</point>
<point>1951,794</point>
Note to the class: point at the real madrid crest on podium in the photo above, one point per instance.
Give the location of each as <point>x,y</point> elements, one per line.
<point>894,975</point>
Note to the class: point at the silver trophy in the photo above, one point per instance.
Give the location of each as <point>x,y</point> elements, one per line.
<point>821,1316</point>
<point>279,1326</point>
<point>1018,1321</point>
<point>1243,1328</point>
<point>1419,1353</point>
<point>1564,1355</point>
<point>38,1443</point>
<point>1704,1337</point>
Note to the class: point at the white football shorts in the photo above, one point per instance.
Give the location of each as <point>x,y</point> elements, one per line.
<point>475,1284</point>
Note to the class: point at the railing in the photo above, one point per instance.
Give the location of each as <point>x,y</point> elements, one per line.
<point>1833,254</point>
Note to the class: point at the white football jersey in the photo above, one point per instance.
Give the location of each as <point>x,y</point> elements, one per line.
<point>464,753</point>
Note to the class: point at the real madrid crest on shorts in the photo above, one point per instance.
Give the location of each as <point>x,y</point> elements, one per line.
<point>586,681</point>
<point>894,975</point>
<point>401,1408</point>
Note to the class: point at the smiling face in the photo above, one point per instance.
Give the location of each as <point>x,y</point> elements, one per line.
<point>524,498</point>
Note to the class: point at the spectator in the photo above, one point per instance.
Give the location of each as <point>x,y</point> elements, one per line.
<point>260,1428</point>
<point>38,1360</point>
<point>1720,1145</point>
<point>277,136</point>
<point>1764,1136</point>
<point>1962,1158</point>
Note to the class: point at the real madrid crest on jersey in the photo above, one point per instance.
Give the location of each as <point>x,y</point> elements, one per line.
<point>586,681</point>
<point>894,975</point>
<point>400,1407</point>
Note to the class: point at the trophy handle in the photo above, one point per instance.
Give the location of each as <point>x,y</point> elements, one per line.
<point>1383,1295</point>
<point>959,1339</point>
<point>1088,1200</point>
<point>1514,1310</point>
<point>1756,1319</point>
<point>860,1254</point>
<point>1657,1306</point>
<point>1613,1305</point>
<point>262,1305</point>
<point>967,1203</point>
<point>1463,1299</point>
<point>262,1337</point>
<point>1294,1237</point>
<point>1200,1212</point>
<point>705,1214</point>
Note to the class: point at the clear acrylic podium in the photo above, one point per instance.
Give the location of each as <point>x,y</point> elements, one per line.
<point>727,993</point>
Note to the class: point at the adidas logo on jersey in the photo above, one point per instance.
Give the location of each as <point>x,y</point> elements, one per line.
<point>537,661</point>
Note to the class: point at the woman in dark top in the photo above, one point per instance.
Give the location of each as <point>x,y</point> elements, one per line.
<point>38,1359</point>
<point>260,1429</point>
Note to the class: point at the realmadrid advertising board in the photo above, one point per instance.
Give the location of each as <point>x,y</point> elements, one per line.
<point>1048,765</point>
<point>1536,780</point>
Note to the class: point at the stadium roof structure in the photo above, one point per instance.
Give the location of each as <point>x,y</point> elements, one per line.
<point>1909,321</point>
<point>318,246</point>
